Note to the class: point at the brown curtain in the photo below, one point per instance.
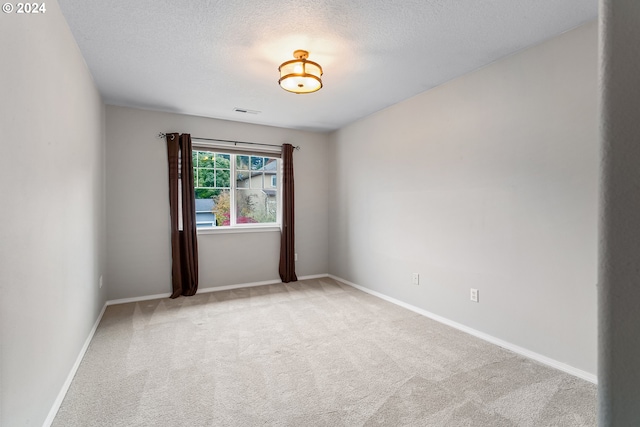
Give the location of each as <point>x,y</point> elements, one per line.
<point>287,242</point>
<point>184,244</point>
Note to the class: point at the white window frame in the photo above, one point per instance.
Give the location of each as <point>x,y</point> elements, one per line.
<point>251,227</point>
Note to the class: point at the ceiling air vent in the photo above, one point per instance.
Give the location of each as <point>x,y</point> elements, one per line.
<point>246,111</point>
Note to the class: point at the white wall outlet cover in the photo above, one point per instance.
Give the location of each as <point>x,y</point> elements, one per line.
<point>474,295</point>
<point>415,278</point>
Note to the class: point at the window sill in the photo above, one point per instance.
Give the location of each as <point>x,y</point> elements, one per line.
<point>233,230</point>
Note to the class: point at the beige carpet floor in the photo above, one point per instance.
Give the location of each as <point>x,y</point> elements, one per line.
<point>310,353</point>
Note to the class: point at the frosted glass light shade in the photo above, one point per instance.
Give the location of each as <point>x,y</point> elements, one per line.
<point>300,75</point>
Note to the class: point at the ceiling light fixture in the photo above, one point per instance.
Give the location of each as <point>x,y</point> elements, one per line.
<point>300,75</point>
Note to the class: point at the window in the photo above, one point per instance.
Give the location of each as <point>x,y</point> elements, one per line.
<point>235,189</point>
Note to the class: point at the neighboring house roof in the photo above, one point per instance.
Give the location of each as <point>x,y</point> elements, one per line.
<point>205,217</point>
<point>268,169</point>
<point>204,205</point>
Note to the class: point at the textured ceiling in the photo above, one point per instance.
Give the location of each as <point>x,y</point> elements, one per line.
<point>207,57</point>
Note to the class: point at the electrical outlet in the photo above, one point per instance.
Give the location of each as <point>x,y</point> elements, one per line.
<point>474,295</point>
<point>415,278</point>
<point>101,281</point>
<point>295,257</point>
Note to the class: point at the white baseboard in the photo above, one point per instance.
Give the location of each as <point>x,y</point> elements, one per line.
<point>314,276</point>
<point>493,340</point>
<point>65,387</point>
<point>238,286</point>
<point>211,289</point>
<point>509,346</point>
<point>56,405</point>
<point>253,284</point>
<point>137,299</point>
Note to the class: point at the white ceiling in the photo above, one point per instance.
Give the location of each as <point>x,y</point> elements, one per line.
<point>206,57</point>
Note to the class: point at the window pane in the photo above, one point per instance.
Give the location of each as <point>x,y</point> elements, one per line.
<point>256,180</point>
<point>255,198</point>
<point>221,208</point>
<point>242,162</point>
<point>242,179</point>
<point>271,166</point>
<point>205,159</point>
<point>222,178</point>
<point>205,193</point>
<point>255,206</point>
<point>256,163</point>
<point>206,178</point>
<point>205,217</point>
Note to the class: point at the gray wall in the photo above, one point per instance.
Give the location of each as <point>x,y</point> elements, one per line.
<point>138,248</point>
<point>619,297</point>
<point>489,181</point>
<point>51,214</point>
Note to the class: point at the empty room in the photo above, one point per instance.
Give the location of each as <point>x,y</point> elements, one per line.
<point>405,213</point>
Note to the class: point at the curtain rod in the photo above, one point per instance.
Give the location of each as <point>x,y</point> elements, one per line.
<point>163,135</point>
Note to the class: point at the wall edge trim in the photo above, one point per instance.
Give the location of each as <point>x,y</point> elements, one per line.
<point>212,289</point>
<point>137,299</point>
<point>478,334</point>
<point>72,373</point>
<point>486,337</point>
